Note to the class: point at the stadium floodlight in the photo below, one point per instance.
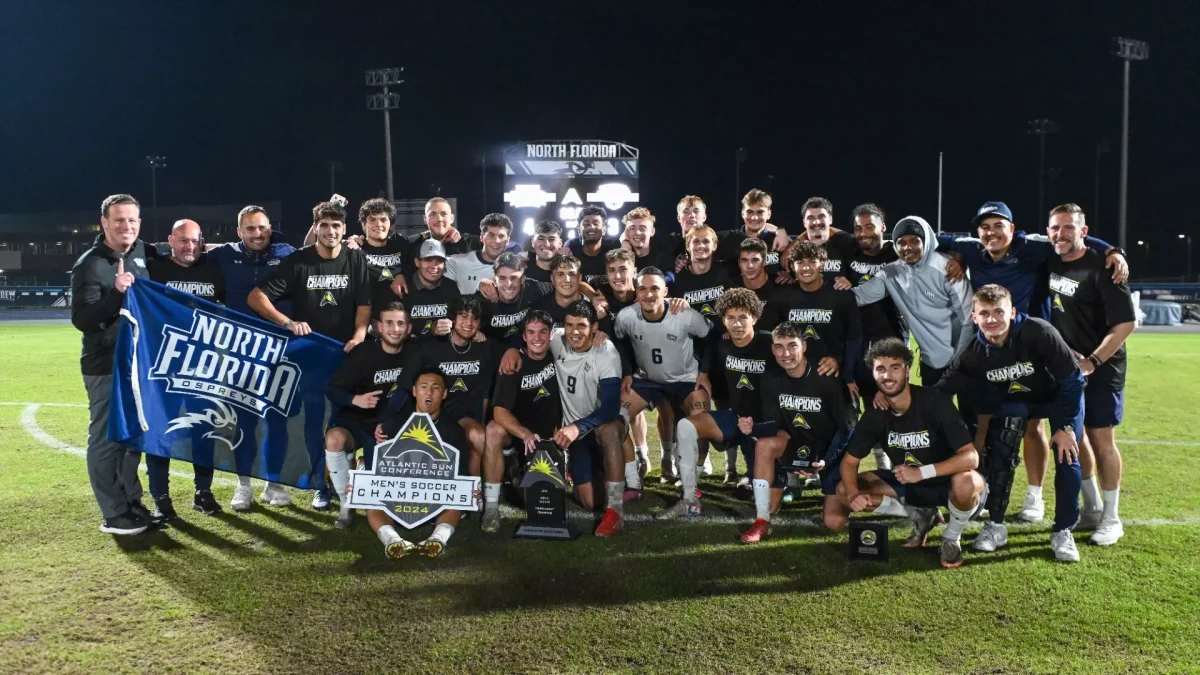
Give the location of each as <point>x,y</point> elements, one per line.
<point>613,195</point>
<point>385,101</point>
<point>1128,50</point>
<point>154,163</point>
<point>614,226</point>
<point>527,196</point>
<point>527,227</point>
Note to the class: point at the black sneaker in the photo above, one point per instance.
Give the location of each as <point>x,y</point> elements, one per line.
<point>164,511</point>
<point>125,524</point>
<point>205,503</point>
<point>142,512</point>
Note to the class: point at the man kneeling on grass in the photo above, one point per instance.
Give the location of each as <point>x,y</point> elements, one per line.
<point>428,391</point>
<point>930,448</point>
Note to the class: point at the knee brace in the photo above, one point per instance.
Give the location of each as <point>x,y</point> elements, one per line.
<point>1001,457</point>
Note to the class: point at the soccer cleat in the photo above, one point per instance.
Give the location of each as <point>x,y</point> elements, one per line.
<point>1107,533</point>
<point>164,511</point>
<point>669,477</point>
<point>705,469</point>
<point>490,522</point>
<point>611,524</point>
<point>1089,519</point>
<point>745,483</point>
<point>398,548</point>
<point>345,518</point>
<point>924,520</point>
<point>320,500</point>
<point>952,555</point>
<point>431,548</point>
<point>682,509</point>
<point>243,497</point>
<point>630,495</point>
<point>1063,545</point>
<point>731,479</point>
<point>205,503</point>
<point>275,495</point>
<point>991,537</point>
<point>1033,509</point>
<point>125,524</point>
<point>758,531</point>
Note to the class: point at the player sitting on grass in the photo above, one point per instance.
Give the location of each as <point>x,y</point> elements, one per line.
<point>930,448</point>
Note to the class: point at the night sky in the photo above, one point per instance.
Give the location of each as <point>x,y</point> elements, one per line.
<point>250,101</point>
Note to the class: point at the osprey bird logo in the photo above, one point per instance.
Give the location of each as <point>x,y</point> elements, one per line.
<point>221,417</point>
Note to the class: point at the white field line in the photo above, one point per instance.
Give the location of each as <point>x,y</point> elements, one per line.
<point>30,425</point>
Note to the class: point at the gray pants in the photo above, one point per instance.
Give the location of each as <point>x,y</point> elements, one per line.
<point>112,469</point>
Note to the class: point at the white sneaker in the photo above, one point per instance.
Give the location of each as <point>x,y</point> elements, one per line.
<point>706,467</point>
<point>243,497</point>
<point>1063,545</point>
<point>991,537</point>
<point>1033,509</point>
<point>275,495</point>
<point>1107,533</point>
<point>1089,519</point>
<point>746,483</point>
<point>320,500</point>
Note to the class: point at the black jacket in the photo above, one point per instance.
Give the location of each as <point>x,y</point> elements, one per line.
<point>96,303</point>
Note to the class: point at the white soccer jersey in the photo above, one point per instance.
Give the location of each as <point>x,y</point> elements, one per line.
<point>579,375</point>
<point>663,349</point>
<point>466,269</point>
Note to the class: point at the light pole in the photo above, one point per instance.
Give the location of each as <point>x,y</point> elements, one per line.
<point>1188,239</point>
<point>154,163</point>
<point>1042,128</point>
<point>334,167</point>
<point>738,158</point>
<point>1101,148</point>
<point>483,181</point>
<point>939,220</point>
<point>1129,50</point>
<point>385,101</point>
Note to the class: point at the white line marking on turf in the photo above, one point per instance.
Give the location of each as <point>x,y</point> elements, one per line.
<point>45,405</point>
<point>31,427</point>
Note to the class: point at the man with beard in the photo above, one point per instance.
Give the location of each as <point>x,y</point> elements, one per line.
<point>931,449</point>
<point>592,244</point>
<point>1095,316</point>
<point>469,365</point>
<point>427,394</point>
<point>880,319</point>
<point>187,270</point>
<point>1022,370</point>
<point>756,214</point>
<point>1014,260</point>
<point>832,327</point>
<point>468,268</point>
<point>365,376</point>
<point>547,242</point>
<point>430,294</point>
<point>811,423</point>
<point>99,280</point>
<point>526,410</point>
<point>507,297</point>
<point>244,265</point>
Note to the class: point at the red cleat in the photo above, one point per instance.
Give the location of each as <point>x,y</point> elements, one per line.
<point>757,532</point>
<point>611,524</point>
<point>630,495</point>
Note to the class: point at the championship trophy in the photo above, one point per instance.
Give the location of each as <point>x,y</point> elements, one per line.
<point>545,496</point>
<point>868,541</point>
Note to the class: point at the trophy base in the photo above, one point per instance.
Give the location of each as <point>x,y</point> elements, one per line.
<point>566,532</point>
<point>869,541</point>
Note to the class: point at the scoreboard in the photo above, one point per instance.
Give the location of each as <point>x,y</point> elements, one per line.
<point>554,180</point>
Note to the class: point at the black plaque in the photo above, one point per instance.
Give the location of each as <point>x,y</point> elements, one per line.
<point>868,541</point>
<point>545,497</point>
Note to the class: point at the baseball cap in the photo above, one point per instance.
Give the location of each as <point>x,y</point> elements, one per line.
<point>432,248</point>
<point>989,209</point>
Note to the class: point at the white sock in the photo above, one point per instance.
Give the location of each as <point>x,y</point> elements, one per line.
<point>244,481</point>
<point>687,446</point>
<point>958,520</point>
<point>442,532</point>
<point>1091,494</point>
<point>642,452</point>
<point>762,499</point>
<point>891,507</point>
<point>616,496</point>
<point>387,534</point>
<point>1110,504</point>
<point>1034,491</point>
<point>491,494</point>
<point>339,470</point>
<point>632,478</point>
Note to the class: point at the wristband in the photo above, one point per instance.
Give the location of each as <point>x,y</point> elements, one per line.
<point>928,471</point>
<point>1096,362</point>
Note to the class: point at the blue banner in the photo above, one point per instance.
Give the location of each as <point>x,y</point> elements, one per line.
<point>202,383</point>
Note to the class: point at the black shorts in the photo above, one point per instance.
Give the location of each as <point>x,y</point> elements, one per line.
<point>362,435</point>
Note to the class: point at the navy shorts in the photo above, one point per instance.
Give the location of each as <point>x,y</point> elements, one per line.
<point>585,458</point>
<point>1102,405</point>
<point>727,422</point>
<point>931,492</point>
<point>361,436</point>
<point>654,393</point>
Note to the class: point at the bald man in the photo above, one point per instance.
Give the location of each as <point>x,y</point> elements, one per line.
<point>187,270</point>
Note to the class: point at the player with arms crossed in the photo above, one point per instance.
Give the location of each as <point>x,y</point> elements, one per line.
<point>1022,370</point>
<point>526,409</point>
<point>805,421</point>
<point>930,449</point>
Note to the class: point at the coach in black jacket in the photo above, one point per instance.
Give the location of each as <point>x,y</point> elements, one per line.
<point>98,284</point>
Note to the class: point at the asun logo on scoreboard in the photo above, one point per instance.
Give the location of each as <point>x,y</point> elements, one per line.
<point>229,364</point>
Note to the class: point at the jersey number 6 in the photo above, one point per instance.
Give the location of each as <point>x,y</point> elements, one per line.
<point>656,355</point>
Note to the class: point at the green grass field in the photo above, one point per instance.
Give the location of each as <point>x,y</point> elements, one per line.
<point>279,590</point>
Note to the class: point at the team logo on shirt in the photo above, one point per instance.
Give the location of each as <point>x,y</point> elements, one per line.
<point>811,333</point>
<point>204,290</point>
<point>1063,285</point>
<point>740,365</point>
<point>911,459</point>
<point>811,315</point>
<point>459,368</point>
<point>387,376</point>
<point>541,393</point>
<point>1058,303</point>
<point>908,440</point>
<point>327,299</point>
<point>704,297</point>
<point>800,403</point>
<point>1009,373</point>
<point>864,268</point>
<point>538,380</point>
<point>744,383</point>
<point>458,385</point>
<point>328,282</point>
<point>386,275</point>
<point>1018,388</point>
<point>799,421</point>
